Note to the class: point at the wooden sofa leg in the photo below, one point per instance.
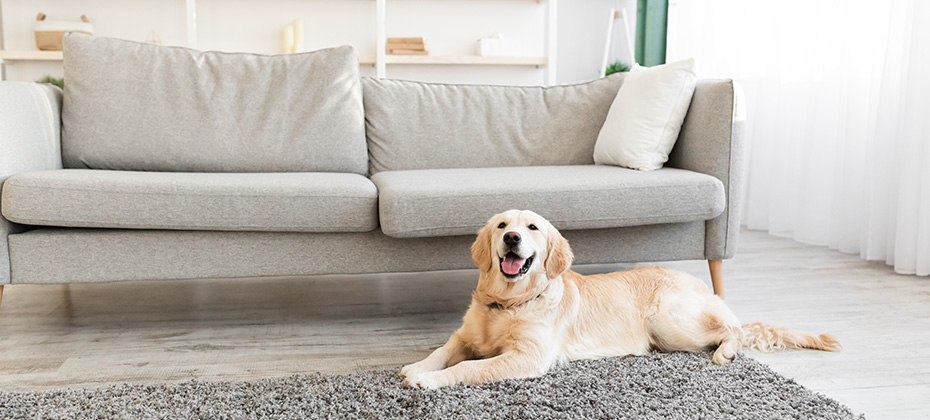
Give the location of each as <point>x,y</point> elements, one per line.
<point>1,293</point>
<point>716,276</point>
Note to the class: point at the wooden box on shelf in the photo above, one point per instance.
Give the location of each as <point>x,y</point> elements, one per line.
<point>49,32</point>
<point>407,46</point>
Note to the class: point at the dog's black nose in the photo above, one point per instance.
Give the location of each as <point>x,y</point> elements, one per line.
<point>511,238</point>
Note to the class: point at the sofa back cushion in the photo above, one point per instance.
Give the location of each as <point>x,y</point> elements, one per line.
<point>412,125</point>
<point>135,106</point>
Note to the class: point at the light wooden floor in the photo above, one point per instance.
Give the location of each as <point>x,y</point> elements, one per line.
<point>98,334</point>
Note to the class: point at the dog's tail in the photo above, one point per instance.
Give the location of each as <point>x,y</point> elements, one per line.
<point>764,337</point>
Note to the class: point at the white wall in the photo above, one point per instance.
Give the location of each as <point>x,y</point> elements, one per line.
<point>582,33</point>
<point>451,28</point>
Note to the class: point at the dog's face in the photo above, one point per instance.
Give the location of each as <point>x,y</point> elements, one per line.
<point>516,244</point>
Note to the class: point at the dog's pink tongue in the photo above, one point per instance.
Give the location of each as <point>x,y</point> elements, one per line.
<point>512,264</point>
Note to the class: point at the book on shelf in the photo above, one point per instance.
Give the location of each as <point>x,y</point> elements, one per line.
<point>407,52</point>
<point>406,46</point>
<point>416,40</point>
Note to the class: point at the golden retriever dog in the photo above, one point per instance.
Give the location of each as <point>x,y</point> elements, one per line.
<point>529,313</point>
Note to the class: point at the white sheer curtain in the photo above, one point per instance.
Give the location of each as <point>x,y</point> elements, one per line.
<point>838,102</point>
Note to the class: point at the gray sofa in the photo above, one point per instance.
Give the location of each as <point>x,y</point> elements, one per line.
<point>168,163</point>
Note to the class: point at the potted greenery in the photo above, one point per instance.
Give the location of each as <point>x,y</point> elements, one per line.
<point>60,82</point>
<point>616,67</point>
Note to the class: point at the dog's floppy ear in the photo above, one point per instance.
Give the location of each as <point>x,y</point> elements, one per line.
<point>481,249</point>
<point>559,255</point>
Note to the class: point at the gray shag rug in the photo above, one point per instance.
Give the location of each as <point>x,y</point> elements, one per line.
<point>656,386</point>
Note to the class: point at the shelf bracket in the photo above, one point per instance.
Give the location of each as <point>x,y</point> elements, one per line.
<point>381,40</point>
<point>191,20</point>
<point>3,63</point>
<point>551,42</point>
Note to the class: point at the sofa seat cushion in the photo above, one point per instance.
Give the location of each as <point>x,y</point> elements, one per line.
<point>439,202</point>
<point>291,202</point>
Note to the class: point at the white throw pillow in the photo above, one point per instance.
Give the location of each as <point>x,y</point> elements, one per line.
<point>645,118</point>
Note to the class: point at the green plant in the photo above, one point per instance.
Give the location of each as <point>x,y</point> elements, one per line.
<point>616,67</point>
<point>60,82</point>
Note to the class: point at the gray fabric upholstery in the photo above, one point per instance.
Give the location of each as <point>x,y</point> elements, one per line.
<point>135,106</point>
<point>69,255</point>
<point>711,142</point>
<point>440,202</point>
<point>292,202</point>
<point>413,125</point>
<point>29,141</point>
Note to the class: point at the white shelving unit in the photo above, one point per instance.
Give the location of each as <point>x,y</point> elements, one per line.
<point>30,55</point>
<point>380,60</point>
<point>458,59</point>
<point>12,56</point>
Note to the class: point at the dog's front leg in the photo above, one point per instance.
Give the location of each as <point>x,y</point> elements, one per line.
<point>454,349</point>
<point>507,365</point>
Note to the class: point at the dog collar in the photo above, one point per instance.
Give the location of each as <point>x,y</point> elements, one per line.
<point>498,305</point>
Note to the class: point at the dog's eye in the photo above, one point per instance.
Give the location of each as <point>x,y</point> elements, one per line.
<point>532,227</point>
<point>502,225</point>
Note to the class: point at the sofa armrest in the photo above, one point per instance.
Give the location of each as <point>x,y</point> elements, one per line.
<point>30,140</point>
<point>711,142</point>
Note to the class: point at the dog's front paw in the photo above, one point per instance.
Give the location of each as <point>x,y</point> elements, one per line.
<point>411,369</point>
<point>425,380</point>
<point>722,357</point>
